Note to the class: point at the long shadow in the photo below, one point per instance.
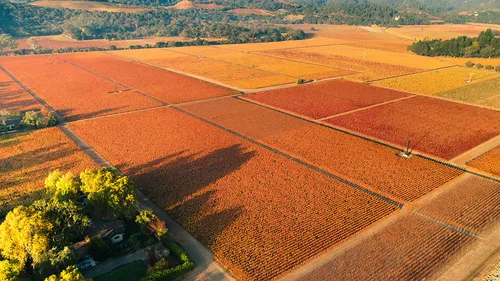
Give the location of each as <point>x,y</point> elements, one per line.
<point>177,183</point>
<point>66,113</point>
<point>10,99</point>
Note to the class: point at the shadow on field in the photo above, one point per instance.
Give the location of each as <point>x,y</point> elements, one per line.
<point>67,113</point>
<point>9,99</point>
<point>178,183</point>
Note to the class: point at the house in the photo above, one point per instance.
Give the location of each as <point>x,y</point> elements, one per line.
<point>113,230</point>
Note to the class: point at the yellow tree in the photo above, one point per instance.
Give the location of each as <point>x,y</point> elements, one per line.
<point>71,273</point>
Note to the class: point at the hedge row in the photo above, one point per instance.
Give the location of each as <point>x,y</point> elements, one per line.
<point>170,274</point>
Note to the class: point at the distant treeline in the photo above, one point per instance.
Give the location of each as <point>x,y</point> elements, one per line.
<point>26,20</point>
<point>485,45</point>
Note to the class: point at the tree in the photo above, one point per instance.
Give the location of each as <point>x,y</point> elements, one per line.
<point>111,194</point>
<point>33,119</point>
<point>71,273</point>
<point>469,63</point>
<point>300,81</point>
<point>489,67</point>
<point>497,68</point>
<point>149,222</point>
<point>61,186</point>
<point>6,41</point>
<point>479,66</point>
<point>11,270</point>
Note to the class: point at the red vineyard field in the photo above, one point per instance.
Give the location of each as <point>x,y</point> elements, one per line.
<point>261,214</point>
<point>412,248</point>
<point>473,204</point>
<point>441,128</point>
<point>71,91</point>
<point>14,98</point>
<point>326,98</point>
<point>164,85</point>
<point>339,153</point>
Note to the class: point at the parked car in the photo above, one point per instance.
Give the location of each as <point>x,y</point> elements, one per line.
<point>86,263</point>
<point>117,238</point>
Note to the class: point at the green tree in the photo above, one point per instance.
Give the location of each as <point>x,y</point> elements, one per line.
<point>33,119</point>
<point>6,41</point>
<point>497,68</point>
<point>61,186</point>
<point>71,273</point>
<point>111,194</point>
<point>489,67</point>
<point>469,63</point>
<point>479,66</point>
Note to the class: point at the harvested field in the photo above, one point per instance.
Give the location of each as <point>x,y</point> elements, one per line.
<point>462,61</point>
<point>441,128</point>
<point>258,231</point>
<point>164,85</point>
<point>14,98</point>
<point>472,204</point>
<point>230,74</point>
<point>398,46</point>
<point>327,98</point>
<point>27,158</point>
<point>346,32</point>
<point>90,6</point>
<point>435,82</point>
<point>66,88</point>
<point>413,248</point>
<point>361,161</point>
<point>486,93</point>
<point>83,102</point>
<point>253,47</point>
<point>368,70</point>
<point>488,162</point>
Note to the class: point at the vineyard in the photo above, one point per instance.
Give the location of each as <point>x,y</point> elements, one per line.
<point>222,201</point>
<point>413,248</point>
<point>276,179</point>
<point>435,82</point>
<point>66,88</point>
<point>349,157</point>
<point>326,99</point>
<point>428,122</point>
<point>27,157</point>
<point>485,93</point>
<point>488,162</point>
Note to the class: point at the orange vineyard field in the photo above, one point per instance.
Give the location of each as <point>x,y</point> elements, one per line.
<point>27,158</point>
<point>72,92</point>
<point>14,98</point>
<point>412,248</point>
<point>212,182</point>
<point>488,162</point>
<point>349,157</point>
<point>441,128</point>
<point>163,85</point>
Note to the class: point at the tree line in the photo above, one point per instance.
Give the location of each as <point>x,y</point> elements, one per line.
<point>486,45</point>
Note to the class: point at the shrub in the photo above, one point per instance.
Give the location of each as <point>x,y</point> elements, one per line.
<point>479,66</point>
<point>158,266</point>
<point>99,249</point>
<point>469,63</point>
<point>169,274</point>
<point>300,81</point>
<point>497,69</point>
<point>489,67</point>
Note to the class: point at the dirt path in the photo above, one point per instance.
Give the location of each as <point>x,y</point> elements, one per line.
<point>477,151</point>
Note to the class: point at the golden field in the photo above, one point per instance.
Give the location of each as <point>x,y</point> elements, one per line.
<point>486,93</point>
<point>90,6</point>
<point>435,82</point>
<point>253,47</point>
<point>443,31</point>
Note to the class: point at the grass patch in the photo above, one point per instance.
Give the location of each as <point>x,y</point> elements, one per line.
<point>133,271</point>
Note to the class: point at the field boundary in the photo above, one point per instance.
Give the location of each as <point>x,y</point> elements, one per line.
<point>39,99</point>
<point>366,107</point>
<point>477,151</point>
<point>299,161</point>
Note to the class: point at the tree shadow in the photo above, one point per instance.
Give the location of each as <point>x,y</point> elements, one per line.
<point>67,113</point>
<point>180,184</point>
<point>13,100</point>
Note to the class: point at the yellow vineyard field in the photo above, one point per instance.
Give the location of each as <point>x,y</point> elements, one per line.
<point>367,70</point>
<point>317,41</point>
<point>408,60</point>
<point>486,93</point>
<point>435,82</point>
